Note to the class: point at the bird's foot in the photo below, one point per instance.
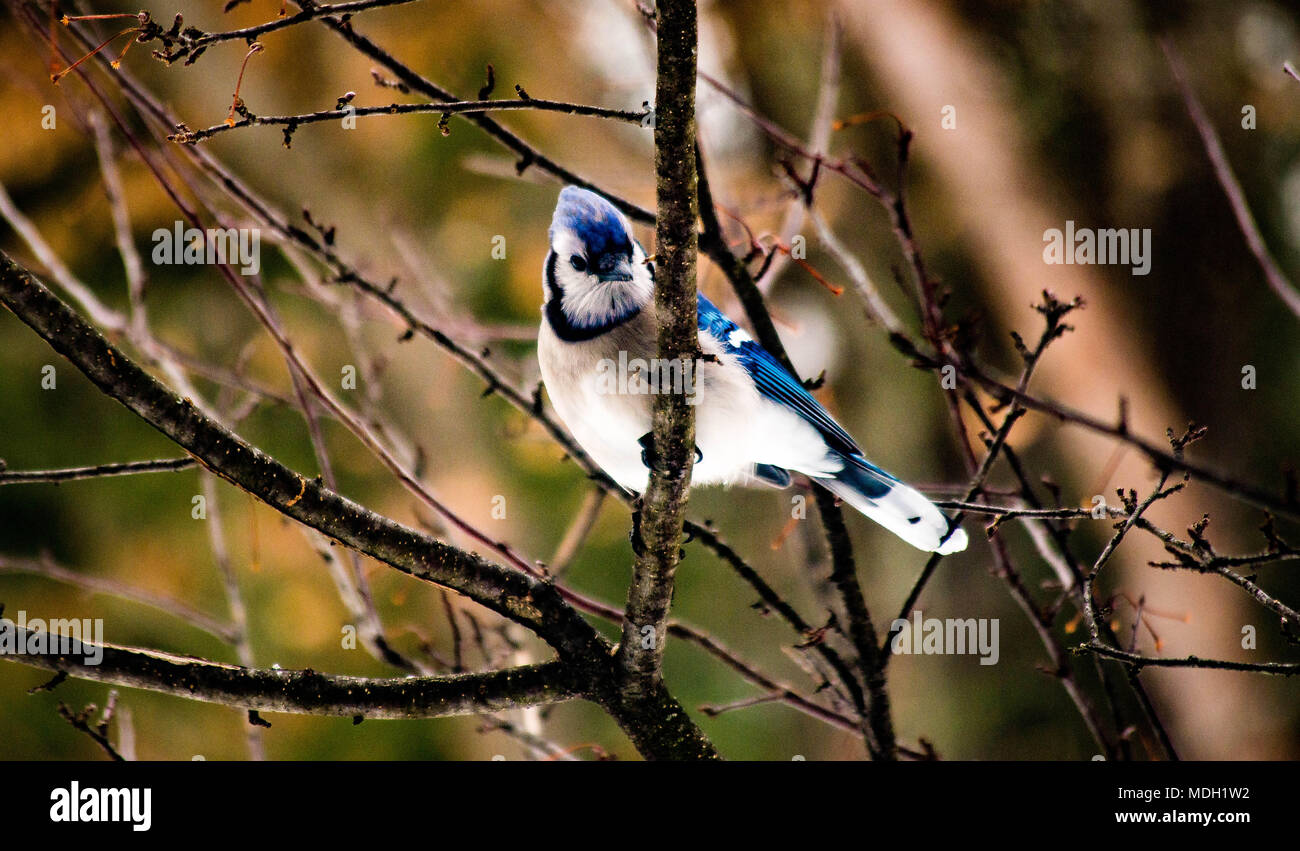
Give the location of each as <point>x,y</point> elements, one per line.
<point>638,546</point>
<point>648,454</point>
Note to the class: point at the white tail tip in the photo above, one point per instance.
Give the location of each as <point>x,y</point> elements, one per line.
<point>905,512</point>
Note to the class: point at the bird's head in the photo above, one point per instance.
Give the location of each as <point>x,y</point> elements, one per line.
<point>596,273</point>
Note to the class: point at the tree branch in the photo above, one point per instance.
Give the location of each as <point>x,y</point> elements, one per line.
<point>128,468</point>
<point>1277,281</point>
<point>192,41</point>
<point>652,719</point>
<point>528,155</point>
<point>189,137</point>
<point>878,730</point>
<point>307,692</point>
<point>662,509</point>
<point>1138,662</point>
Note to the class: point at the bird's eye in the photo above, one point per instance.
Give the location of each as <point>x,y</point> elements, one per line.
<point>577,262</point>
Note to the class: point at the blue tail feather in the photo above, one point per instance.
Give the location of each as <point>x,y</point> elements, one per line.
<point>899,508</point>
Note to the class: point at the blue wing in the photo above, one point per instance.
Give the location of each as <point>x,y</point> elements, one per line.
<point>772,379</point>
<point>899,508</point>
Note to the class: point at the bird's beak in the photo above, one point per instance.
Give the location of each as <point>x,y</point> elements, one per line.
<point>621,270</point>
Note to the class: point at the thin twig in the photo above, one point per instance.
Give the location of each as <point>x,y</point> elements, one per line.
<point>1277,281</point>
<point>189,137</point>
<point>99,471</point>
<point>1138,662</point>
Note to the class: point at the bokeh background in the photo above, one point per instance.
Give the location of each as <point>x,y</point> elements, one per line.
<point>1064,111</point>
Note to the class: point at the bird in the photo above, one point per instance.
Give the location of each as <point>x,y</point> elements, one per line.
<point>755,422</point>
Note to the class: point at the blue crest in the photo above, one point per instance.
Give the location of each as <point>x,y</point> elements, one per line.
<point>595,221</point>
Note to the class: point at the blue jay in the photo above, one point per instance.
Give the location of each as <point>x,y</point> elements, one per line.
<point>754,421</point>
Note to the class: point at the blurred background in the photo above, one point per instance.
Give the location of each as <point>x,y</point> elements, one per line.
<point>1062,111</point>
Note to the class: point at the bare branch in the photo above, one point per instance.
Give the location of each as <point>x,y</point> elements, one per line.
<point>167,465</point>
<point>1277,281</point>
<point>307,692</point>
<point>189,137</point>
<point>223,630</point>
<point>1138,662</point>
<point>671,454</point>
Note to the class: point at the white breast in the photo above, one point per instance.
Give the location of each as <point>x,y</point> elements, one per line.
<point>735,426</point>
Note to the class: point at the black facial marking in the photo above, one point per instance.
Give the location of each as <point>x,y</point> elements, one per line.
<point>560,323</point>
